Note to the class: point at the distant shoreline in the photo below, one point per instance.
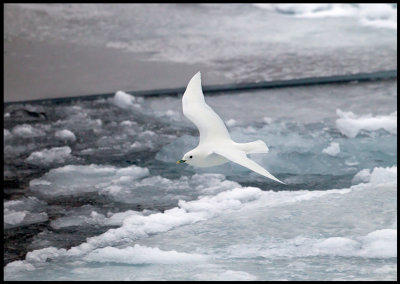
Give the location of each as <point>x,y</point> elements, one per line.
<point>40,70</point>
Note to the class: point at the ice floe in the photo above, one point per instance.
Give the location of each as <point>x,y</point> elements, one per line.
<point>124,100</point>
<point>142,255</point>
<point>27,131</point>
<point>78,179</point>
<point>49,156</point>
<point>111,246</point>
<point>333,149</point>
<point>65,134</point>
<point>351,124</point>
<point>25,211</point>
<point>375,15</point>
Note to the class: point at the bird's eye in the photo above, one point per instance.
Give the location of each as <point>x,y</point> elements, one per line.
<point>191,157</point>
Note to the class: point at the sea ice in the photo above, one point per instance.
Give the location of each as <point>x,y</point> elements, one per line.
<point>350,124</point>
<point>88,216</point>
<point>333,149</point>
<point>49,156</point>
<point>160,191</point>
<point>380,244</point>
<point>225,275</point>
<point>142,255</point>
<point>382,175</point>
<point>26,130</point>
<point>66,135</point>
<point>377,244</point>
<point>111,246</point>
<point>17,266</point>
<point>22,212</point>
<point>26,203</point>
<point>79,179</point>
<point>7,134</point>
<point>378,175</point>
<point>362,176</point>
<point>375,15</point>
<point>124,100</point>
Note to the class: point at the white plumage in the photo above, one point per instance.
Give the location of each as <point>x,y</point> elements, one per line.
<point>215,145</point>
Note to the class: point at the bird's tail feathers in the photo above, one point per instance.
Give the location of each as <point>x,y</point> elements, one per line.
<point>253,147</point>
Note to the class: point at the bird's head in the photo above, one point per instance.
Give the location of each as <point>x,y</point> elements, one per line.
<point>188,158</point>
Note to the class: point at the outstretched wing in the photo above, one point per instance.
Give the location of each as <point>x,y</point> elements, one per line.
<point>210,125</point>
<point>239,157</point>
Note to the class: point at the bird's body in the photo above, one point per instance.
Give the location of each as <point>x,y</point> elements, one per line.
<point>206,159</point>
<point>215,144</point>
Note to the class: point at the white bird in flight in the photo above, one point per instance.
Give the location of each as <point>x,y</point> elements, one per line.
<point>216,146</point>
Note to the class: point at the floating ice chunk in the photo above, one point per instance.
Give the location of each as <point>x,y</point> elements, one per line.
<point>142,255</point>
<point>306,9</point>
<point>333,149</point>
<point>65,134</point>
<point>267,120</point>
<point>174,115</point>
<point>227,275</point>
<point>26,203</point>
<point>211,206</point>
<point>350,124</point>
<point>351,162</point>
<point>377,244</point>
<point>12,217</point>
<point>362,176</point>
<point>376,15</point>
<point>337,246</point>
<point>380,243</point>
<point>161,191</point>
<point>378,175</point>
<point>381,175</point>
<point>124,100</point>
<point>13,150</point>
<point>250,129</point>
<point>98,122</point>
<point>136,145</point>
<point>230,122</point>
<point>78,218</point>
<point>379,15</point>
<point>26,130</point>
<point>78,179</point>
<point>117,219</point>
<point>387,269</point>
<point>88,216</point>
<point>312,10</point>
<point>7,134</point>
<point>128,123</point>
<point>48,156</point>
<point>147,134</point>
<point>41,255</point>
<point>17,266</point>
<point>24,212</point>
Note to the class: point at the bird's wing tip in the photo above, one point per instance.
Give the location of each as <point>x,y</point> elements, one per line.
<point>195,82</point>
<point>197,75</point>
